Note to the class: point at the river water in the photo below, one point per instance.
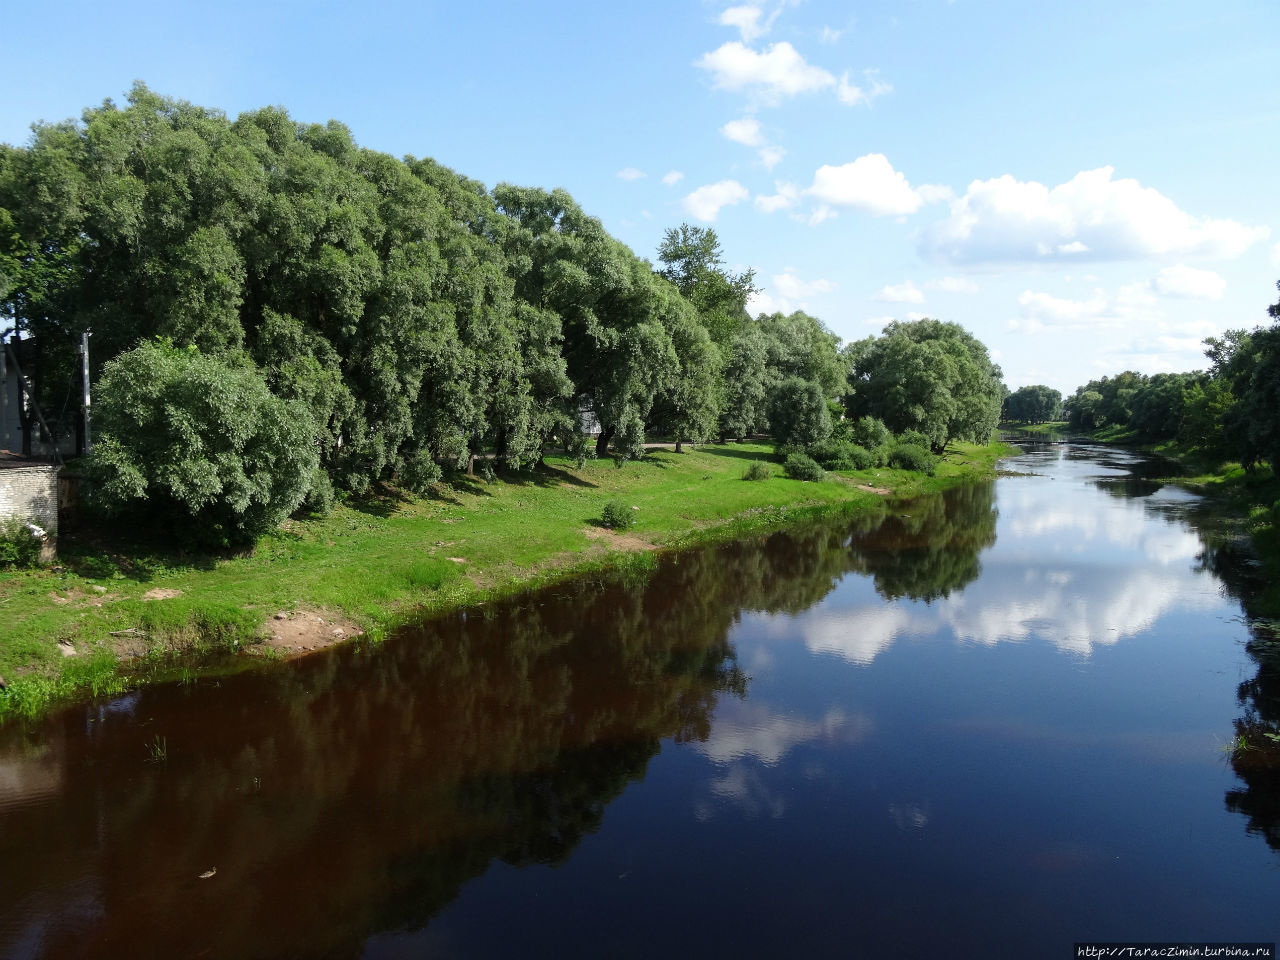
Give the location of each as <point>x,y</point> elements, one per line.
<point>985,724</point>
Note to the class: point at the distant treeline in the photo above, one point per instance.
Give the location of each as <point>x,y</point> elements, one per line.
<point>1229,412</point>
<point>259,283</point>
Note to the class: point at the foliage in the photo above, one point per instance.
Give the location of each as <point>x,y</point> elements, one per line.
<point>913,456</point>
<point>801,467</point>
<point>756,470</point>
<point>199,444</point>
<point>616,515</point>
<point>798,414</point>
<point>19,545</point>
<point>869,432</point>
<point>926,375</point>
<point>1034,404</point>
<point>842,455</point>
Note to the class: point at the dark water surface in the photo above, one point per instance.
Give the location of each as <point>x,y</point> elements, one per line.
<point>986,724</point>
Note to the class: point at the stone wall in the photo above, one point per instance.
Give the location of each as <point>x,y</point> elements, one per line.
<point>31,495</point>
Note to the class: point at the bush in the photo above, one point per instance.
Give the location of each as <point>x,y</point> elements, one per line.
<point>798,413</point>
<point>913,456</point>
<point>616,515</point>
<point>801,467</point>
<point>870,433</point>
<point>19,545</point>
<point>198,446</point>
<point>756,471</point>
<point>914,438</point>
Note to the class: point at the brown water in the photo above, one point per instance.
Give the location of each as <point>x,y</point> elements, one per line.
<point>985,724</point>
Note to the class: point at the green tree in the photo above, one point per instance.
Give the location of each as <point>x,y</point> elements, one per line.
<point>192,441</point>
<point>926,375</point>
<point>798,414</point>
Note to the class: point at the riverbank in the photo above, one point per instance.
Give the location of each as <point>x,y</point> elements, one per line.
<point>107,618</point>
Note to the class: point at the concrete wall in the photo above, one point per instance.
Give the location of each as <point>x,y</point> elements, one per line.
<point>31,495</point>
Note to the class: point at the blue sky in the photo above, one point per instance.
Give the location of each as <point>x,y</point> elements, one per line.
<point>1086,186</point>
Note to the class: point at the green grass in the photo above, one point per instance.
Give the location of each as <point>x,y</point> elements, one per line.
<point>387,558</point>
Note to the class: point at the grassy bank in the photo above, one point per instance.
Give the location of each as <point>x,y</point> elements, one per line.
<point>108,617</point>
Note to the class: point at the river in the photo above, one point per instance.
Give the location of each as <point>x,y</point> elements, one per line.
<point>990,723</point>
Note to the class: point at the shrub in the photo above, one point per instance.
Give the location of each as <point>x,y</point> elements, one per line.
<point>870,433</point>
<point>913,456</point>
<point>831,452</point>
<point>801,467</point>
<point>756,471</point>
<point>616,515</point>
<point>199,446</point>
<point>19,544</point>
<point>914,438</point>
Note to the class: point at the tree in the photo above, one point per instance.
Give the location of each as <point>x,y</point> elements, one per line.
<point>926,375</point>
<point>693,262</point>
<point>1033,404</point>
<point>798,415</point>
<point>198,443</point>
<point>618,352</point>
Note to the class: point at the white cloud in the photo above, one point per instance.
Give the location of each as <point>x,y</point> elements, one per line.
<point>631,173</point>
<point>1191,283</point>
<point>851,95</point>
<point>745,131</point>
<point>953,285</point>
<point>820,212</point>
<point>869,184</point>
<point>706,202</point>
<point>672,177</point>
<point>905,292</point>
<point>771,156</point>
<point>787,196</point>
<point>787,293</point>
<point>777,72</point>
<point>792,287</point>
<point>829,35</point>
<point>1133,306</point>
<point>1091,216</point>
<point>749,19</point>
<point>1042,309</point>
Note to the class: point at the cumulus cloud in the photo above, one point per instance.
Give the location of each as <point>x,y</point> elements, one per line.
<point>672,177</point>
<point>851,95</point>
<point>953,285</point>
<point>788,196</point>
<point>1090,217</point>
<point>745,131</point>
<point>1133,304</point>
<point>787,293</point>
<point>771,155</point>
<point>631,173</point>
<point>1190,283</point>
<point>749,20</point>
<point>706,202</point>
<point>870,184</point>
<point>779,71</point>
<point>906,292</point>
<point>789,285</point>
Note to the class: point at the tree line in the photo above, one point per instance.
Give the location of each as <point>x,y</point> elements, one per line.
<point>1228,412</point>
<point>279,314</point>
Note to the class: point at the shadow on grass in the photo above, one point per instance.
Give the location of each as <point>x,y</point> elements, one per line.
<point>739,454</point>
<point>141,556</point>
<point>546,475</point>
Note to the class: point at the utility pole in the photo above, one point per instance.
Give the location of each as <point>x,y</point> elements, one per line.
<point>4,396</point>
<point>84,371</point>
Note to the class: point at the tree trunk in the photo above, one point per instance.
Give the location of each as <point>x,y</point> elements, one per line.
<point>679,449</point>
<point>602,441</point>
<point>471,465</point>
